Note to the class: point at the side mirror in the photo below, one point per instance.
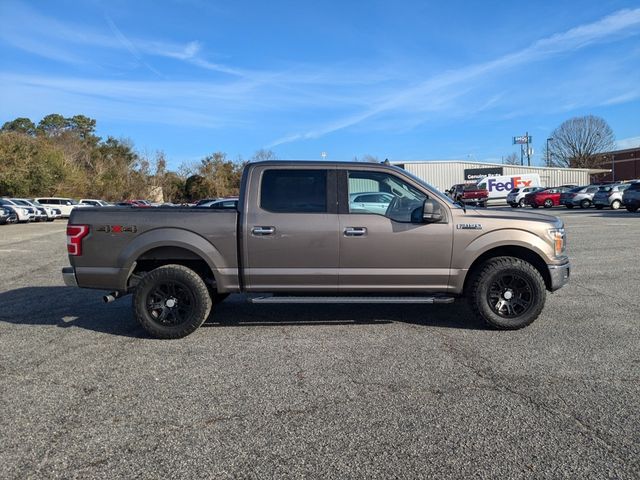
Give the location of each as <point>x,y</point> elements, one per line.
<point>431,211</point>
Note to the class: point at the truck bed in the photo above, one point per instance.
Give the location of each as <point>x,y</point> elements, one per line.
<point>119,237</point>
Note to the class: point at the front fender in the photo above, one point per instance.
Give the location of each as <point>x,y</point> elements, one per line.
<point>506,237</point>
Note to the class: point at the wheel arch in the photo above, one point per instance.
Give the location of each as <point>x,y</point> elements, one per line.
<point>172,245</point>
<point>517,251</point>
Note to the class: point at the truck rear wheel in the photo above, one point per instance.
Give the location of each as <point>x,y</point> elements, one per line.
<point>171,301</point>
<point>507,293</point>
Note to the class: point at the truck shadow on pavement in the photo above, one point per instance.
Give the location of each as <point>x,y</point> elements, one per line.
<point>66,307</point>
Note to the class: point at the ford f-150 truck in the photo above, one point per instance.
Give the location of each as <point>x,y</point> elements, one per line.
<point>296,237</point>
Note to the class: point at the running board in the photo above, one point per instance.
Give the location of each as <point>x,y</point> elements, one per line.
<point>327,299</point>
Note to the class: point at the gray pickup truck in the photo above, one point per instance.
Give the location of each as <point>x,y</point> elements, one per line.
<point>300,235</point>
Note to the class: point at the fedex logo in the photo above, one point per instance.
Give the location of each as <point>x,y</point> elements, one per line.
<point>515,182</point>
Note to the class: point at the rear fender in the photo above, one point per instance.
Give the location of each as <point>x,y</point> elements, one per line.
<point>176,237</point>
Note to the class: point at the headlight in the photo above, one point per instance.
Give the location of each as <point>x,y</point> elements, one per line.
<point>558,239</point>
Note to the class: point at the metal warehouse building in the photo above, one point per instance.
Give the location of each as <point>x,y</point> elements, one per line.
<point>442,174</point>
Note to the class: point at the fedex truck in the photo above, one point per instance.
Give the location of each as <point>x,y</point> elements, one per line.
<point>500,186</point>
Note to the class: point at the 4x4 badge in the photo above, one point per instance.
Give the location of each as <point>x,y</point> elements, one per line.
<point>117,228</point>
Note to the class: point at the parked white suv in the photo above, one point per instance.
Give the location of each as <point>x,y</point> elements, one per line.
<point>91,202</point>
<point>515,198</point>
<point>23,213</point>
<point>65,205</point>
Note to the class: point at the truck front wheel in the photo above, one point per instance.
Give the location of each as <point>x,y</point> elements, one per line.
<point>171,301</point>
<point>507,293</point>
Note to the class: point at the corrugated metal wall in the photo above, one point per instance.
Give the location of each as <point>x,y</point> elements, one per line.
<point>444,174</point>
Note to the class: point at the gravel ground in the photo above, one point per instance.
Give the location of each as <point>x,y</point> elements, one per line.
<point>328,391</point>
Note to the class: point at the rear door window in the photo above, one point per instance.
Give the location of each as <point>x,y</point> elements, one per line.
<point>294,191</point>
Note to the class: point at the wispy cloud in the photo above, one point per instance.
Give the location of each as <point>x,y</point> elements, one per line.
<point>630,142</point>
<point>427,93</point>
<point>129,45</point>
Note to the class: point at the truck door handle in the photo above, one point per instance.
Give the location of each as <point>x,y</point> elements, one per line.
<point>263,230</point>
<point>355,231</point>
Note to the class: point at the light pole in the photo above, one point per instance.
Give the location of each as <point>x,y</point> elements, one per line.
<point>550,139</point>
<point>613,167</point>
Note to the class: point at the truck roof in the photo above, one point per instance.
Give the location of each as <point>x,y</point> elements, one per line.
<point>324,163</point>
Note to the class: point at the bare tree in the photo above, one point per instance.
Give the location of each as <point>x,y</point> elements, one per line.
<point>263,155</point>
<point>576,141</point>
<point>511,159</point>
<point>369,158</point>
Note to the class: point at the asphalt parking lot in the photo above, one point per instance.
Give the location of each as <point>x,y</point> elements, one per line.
<point>324,391</point>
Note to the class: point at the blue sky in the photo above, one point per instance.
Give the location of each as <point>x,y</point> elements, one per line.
<point>404,80</point>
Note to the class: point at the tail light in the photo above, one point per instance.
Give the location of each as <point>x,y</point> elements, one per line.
<point>75,234</point>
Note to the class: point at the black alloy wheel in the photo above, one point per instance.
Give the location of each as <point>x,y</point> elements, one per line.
<point>170,303</point>
<point>510,295</point>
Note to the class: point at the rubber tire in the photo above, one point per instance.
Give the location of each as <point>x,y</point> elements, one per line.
<point>481,280</point>
<point>615,205</point>
<point>600,207</point>
<point>534,206</point>
<point>548,203</point>
<point>521,203</point>
<point>632,208</point>
<point>585,203</point>
<point>190,279</point>
<point>514,205</point>
<point>569,206</point>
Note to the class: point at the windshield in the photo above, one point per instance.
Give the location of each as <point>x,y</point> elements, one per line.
<point>434,191</point>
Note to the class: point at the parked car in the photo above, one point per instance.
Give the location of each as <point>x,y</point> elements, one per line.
<point>223,203</point>
<point>41,214</point>
<point>579,196</point>
<point>609,196</point>
<point>52,213</point>
<point>206,200</point>
<point>91,202</point>
<point>35,214</point>
<point>7,215</point>
<point>547,198</point>
<point>469,194</point>
<point>631,197</point>
<point>370,202</point>
<point>65,205</point>
<point>23,214</point>
<point>134,203</point>
<point>515,198</point>
<point>293,240</point>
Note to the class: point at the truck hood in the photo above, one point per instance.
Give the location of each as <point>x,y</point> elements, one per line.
<point>515,215</point>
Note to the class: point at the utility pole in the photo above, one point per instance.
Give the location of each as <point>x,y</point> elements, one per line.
<point>550,139</point>
<point>528,149</point>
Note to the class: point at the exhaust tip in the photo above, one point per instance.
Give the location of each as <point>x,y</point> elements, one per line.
<point>111,297</point>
